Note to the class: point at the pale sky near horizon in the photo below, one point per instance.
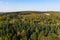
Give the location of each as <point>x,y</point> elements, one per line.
<point>32,5</point>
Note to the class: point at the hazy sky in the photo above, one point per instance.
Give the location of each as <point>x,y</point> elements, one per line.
<point>36,5</point>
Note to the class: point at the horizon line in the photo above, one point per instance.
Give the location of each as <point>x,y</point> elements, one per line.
<point>28,11</point>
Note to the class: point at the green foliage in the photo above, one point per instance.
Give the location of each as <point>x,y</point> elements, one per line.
<point>29,26</point>
<point>33,36</point>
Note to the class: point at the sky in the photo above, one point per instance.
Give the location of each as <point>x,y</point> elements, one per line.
<point>29,5</point>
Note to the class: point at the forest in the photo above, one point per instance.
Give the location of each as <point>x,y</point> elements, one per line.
<point>30,26</point>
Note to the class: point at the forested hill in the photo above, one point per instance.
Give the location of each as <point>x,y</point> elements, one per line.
<point>30,25</point>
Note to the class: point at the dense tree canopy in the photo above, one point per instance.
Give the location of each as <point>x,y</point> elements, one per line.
<point>29,26</point>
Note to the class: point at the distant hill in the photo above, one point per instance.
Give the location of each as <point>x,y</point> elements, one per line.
<point>29,12</point>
